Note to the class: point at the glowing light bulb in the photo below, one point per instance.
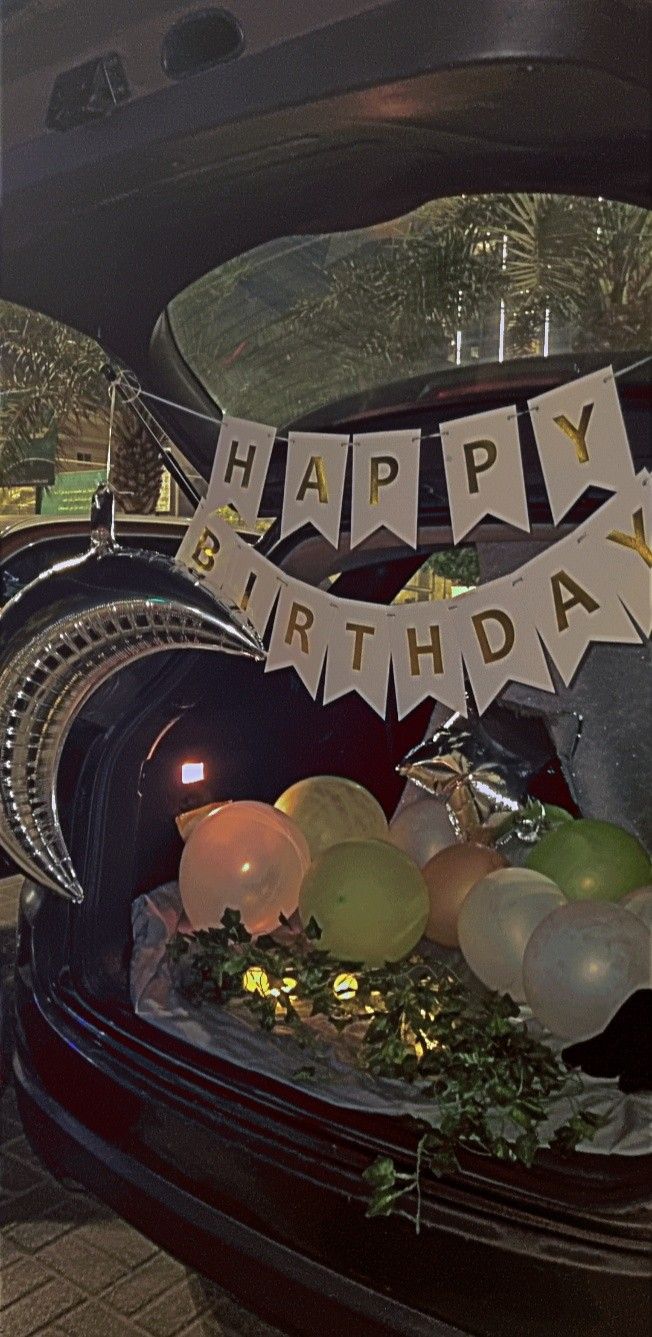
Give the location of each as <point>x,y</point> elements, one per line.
<point>345,987</point>
<point>256,980</point>
<point>192,772</point>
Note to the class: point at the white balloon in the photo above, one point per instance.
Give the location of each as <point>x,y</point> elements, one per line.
<point>639,903</point>
<point>581,963</point>
<point>496,921</point>
<point>421,829</point>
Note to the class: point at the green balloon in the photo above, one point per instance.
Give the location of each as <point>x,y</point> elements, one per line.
<point>369,900</point>
<point>591,861</point>
<point>556,816</point>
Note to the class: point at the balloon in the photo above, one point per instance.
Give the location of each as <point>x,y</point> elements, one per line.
<point>422,829</point>
<point>369,900</point>
<point>104,610</point>
<point>580,965</point>
<point>449,876</point>
<point>639,903</point>
<point>329,809</point>
<point>244,856</point>
<point>591,860</point>
<point>496,921</point>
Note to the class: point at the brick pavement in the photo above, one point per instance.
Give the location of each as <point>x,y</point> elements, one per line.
<point>71,1268</point>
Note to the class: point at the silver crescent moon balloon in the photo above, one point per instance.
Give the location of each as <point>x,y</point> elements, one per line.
<point>62,636</point>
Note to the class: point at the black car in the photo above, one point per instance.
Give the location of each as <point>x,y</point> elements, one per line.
<point>132,179</point>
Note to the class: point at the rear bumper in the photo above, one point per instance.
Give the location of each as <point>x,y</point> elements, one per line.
<point>285,1288</point>
<point>265,1197</point>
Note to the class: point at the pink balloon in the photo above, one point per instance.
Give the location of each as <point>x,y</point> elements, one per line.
<point>245,856</point>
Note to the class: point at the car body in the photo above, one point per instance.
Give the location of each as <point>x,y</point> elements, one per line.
<point>332,124</point>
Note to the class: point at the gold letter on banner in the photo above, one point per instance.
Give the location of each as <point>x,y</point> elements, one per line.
<point>416,651</point>
<point>472,469</point>
<point>489,653</point>
<point>360,632</point>
<point>577,434</point>
<point>589,404</point>
<point>578,596</point>
<point>238,479</point>
<point>315,470</point>
<point>484,473</point>
<point>375,479</point>
<point>637,540</point>
<point>208,546</point>
<point>498,639</point>
<point>302,628</point>
<point>358,653</point>
<point>299,635</point>
<point>319,483</point>
<point>385,485</point>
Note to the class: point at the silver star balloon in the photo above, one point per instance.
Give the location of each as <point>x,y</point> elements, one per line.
<point>62,637</point>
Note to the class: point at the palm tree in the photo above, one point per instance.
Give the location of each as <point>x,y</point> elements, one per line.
<point>53,387</point>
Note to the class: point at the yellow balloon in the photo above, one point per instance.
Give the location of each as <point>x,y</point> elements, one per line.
<point>330,809</point>
<point>369,900</point>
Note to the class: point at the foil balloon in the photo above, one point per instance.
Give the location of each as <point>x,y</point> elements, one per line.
<point>581,963</point>
<point>482,785</point>
<point>62,636</point>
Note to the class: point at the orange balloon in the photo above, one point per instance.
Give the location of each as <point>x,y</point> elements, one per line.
<point>449,876</point>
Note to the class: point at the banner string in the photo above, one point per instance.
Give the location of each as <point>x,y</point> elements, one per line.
<point>136,391</point>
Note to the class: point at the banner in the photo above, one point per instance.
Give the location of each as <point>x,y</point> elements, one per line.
<point>570,596</point>
<point>242,458</point>
<point>358,653</point>
<point>581,439</point>
<point>252,583</point>
<point>594,585</point>
<point>482,463</point>
<point>301,632</point>
<point>385,485</point>
<point>208,546</point>
<point>426,657</point>
<point>314,483</point>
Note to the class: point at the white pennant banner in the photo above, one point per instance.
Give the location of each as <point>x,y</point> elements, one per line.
<point>240,467</point>
<point>426,656</point>
<point>499,640</point>
<point>299,639</point>
<point>571,599</point>
<point>358,653</point>
<point>385,491</point>
<point>484,475</point>
<point>623,529</point>
<point>581,439</point>
<point>208,546</point>
<point>314,483</point>
<point>253,583</point>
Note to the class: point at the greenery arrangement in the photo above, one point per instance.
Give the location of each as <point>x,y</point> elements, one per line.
<point>490,1082</point>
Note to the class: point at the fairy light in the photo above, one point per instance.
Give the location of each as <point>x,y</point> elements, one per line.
<point>345,987</point>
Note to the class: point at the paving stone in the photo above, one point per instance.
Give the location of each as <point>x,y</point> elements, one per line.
<point>32,1209</point>
<point>118,1238</point>
<point>40,1307</point>
<point>9,1252</point>
<point>15,1176</point>
<point>175,1310</point>
<point>145,1284</point>
<point>94,1320</point>
<point>89,1268</point>
<point>20,1277</point>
